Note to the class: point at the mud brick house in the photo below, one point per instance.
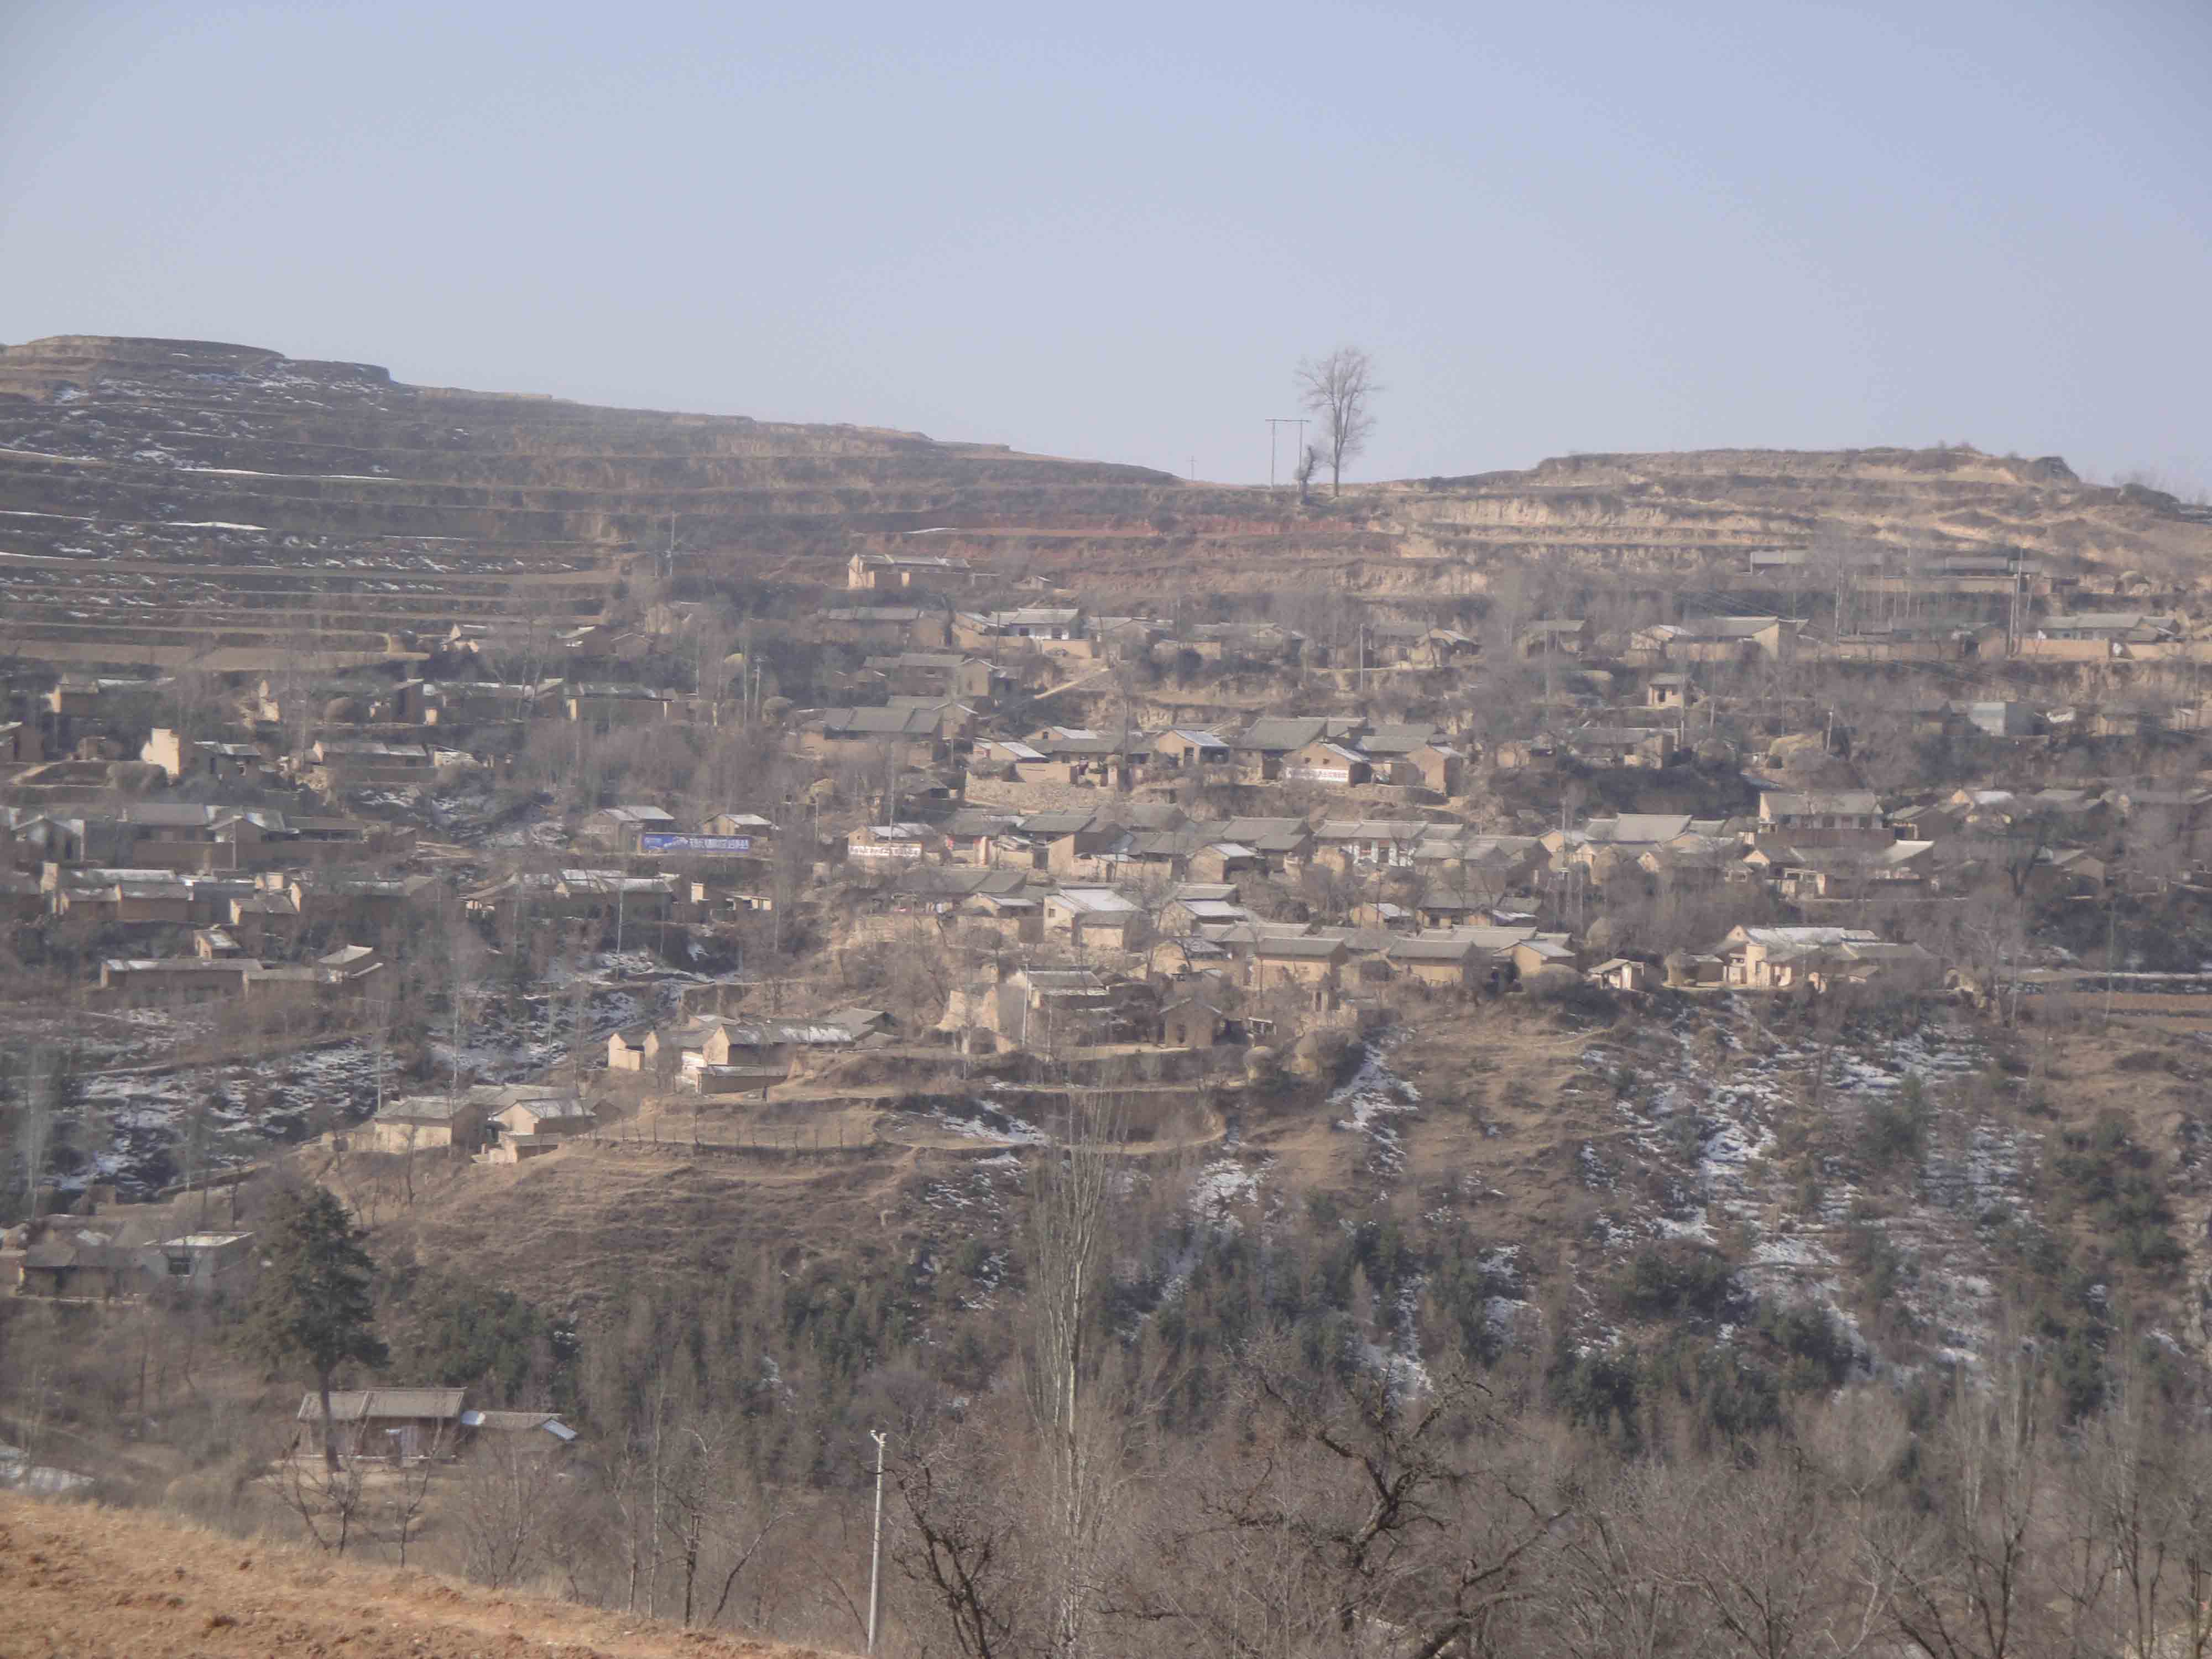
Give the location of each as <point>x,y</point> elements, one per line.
<point>1094,918</point>
<point>1446,961</point>
<point>1417,645</point>
<point>1720,638</point>
<point>621,826</point>
<point>1188,749</point>
<point>1417,755</point>
<point>396,1425</point>
<point>1324,762</point>
<point>418,1123</point>
<point>83,1269</point>
<point>142,980</point>
<point>1191,1022</point>
<point>1839,817</point>
<point>1354,843</point>
<point>920,735</point>
<point>1781,958</point>
<point>945,674</point>
<point>1265,747</point>
<point>908,627</point>
<point>1039,1009</point>
<point>201,1263</point>
<point>1296,961</point>
<point>181,757</point>
<point>626,1049</point>
<point>123,898</point>
<point>603,706</point>
<point>525,1128</point>
<point>476,702</point>
<point>336,764</point>
<point>873,572</point>
<point>895,843</point>
<point>20,744</point>
<point>1563,636</point>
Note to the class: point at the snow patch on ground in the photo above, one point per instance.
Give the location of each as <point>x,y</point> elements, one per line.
<point>1223,1188</point>
<point>1706,1095</point>
<point>1370,1101</point>
<point>984,1122</point>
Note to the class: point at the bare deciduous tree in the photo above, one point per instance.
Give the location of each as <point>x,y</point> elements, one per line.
<point>967,1542</point>
<point>1341,388</point>
<point>1075,1184</point>
<point>1964,1578</point>
<point>1610,1589</point>
<point>1411,1532</point>
<point>34,1120</point>
<point>326,1501</point>
<point>506,1509</point>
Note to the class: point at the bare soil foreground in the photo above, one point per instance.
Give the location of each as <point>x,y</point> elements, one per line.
<point>79,1583</point>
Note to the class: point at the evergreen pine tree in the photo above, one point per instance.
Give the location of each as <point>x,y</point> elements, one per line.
<point>312,1303</point>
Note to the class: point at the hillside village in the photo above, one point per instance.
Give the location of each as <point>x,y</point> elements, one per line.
<point>1561,945</point>
<point>1107,829</point>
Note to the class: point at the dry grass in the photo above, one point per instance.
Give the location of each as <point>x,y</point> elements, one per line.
<point>1494,1099</point>
<point>581,1227</point>
<point>101,1584</point>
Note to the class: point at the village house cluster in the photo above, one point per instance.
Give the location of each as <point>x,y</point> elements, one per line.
<point>978,816</point>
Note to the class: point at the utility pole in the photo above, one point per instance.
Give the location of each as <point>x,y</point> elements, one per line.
<point>1273,422</point>
<point>2111,942</point>
<point>875,1550</point>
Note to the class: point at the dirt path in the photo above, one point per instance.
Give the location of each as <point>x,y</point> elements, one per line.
<point>98,1584</point>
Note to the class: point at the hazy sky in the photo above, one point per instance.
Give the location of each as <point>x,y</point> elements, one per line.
<point>1112,231</point>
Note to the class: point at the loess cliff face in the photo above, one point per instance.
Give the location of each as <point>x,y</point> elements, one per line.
<point>161,500</point>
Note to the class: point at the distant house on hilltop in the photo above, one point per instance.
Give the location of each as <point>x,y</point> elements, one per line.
<point>881,570</point>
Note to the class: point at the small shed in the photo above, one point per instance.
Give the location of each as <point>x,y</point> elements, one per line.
<point>626,1049</point>
<point>1622,974</point>
<point>1532,956</point>
<point>201,1263</point>
<point>547,1114</point>
<point>539,1431</point>
<point>1192,1023</point>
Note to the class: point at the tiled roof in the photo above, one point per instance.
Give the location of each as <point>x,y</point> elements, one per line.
<point>357,1405</point>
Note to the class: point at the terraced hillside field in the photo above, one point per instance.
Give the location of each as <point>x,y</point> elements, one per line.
<point>174,502</point>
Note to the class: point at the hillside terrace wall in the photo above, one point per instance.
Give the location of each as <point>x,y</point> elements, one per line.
<point>2070,650</point>
<point>1389,800</point>
<point>1035,797</point>
<point>2102,651</point>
